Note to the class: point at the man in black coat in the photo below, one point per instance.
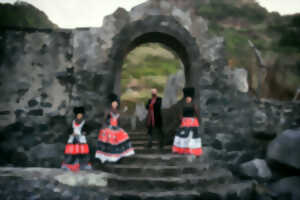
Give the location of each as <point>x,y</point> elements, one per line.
<point>154,117</point>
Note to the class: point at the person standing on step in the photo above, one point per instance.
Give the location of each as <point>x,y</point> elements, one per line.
<point>154,117</point>
<point>77,150</point>
<point>113,142</point>
<point>187,138</point>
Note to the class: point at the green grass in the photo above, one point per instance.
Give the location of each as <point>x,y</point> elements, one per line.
<point>146,67</point>
<point>237,48</point>
<point>150,66</point>
<point>218,10</point>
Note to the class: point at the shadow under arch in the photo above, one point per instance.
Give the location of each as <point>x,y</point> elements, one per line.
<point>153,29</point>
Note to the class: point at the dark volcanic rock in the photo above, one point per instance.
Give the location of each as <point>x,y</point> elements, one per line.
<point>28,130</point>
<point>210,196</point>
<point>46,104</point>
<point>42,183</point>
<point>256,168</point>
<point>287,188</point>
<point>4,112</point>
<point>43,127</point>
<point>285,149</point>
<point>11,129</point>
<point>48,155</point>
<point>19,112</point>
<point>33,103</point>
<point>36,112</point>
<point>18,158</point>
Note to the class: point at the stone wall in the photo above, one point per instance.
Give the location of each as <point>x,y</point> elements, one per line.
<point>45,73</point>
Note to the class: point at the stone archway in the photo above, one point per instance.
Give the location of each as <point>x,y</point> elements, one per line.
<point>38,68</point>
<point>159,29</point>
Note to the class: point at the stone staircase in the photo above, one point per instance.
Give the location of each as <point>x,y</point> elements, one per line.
<point>158,174</point>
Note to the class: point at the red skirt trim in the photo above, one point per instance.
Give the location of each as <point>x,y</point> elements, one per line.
<point>196,152</point>
<point>189,122</point>
<point>114,155</point>
<point>73,167</point>
<point>77,149</point>
<point>114,137</point>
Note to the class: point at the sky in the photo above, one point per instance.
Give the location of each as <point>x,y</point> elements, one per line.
<point>90,13</point>
<point>284,7</point>
<point>79,13</point>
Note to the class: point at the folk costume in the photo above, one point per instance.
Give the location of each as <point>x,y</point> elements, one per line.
<point>77,150</point>
<point>154,119</point>
<point>113,142</point>
<point>187,138</point>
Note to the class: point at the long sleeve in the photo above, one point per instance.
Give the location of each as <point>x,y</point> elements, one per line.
<point>73,125</point>
<point>119,122</point>
<point>197,111</point>
<point>178,113</point>
<point>104,122</point>
<point>147,104</point>
<point>159,100</point>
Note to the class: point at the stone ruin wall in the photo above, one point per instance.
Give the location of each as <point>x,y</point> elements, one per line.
<point>44,73</point>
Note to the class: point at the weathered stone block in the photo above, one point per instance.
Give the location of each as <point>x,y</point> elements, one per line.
<point>36,112</point>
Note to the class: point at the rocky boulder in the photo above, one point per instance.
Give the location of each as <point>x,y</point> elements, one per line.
<point>140,112</point>
<point>48,155</point>
<point>174,85</point>
<point>288,187</point>
<point>240,79</point>
<point>45,183</point>
<point>285,148</point>
<point>261,125</point>
<point>256,168</point>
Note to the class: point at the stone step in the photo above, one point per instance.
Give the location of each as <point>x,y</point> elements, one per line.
<point>221,190</point>
<point>154,149</point>
<point>136,134</point>
<point>157,158</point>
<point>138,137</point>
<point>143,143</point>
<point>162,195</point>
<point>152,170</point>
<point>186,182</point>
<point>139,140</point>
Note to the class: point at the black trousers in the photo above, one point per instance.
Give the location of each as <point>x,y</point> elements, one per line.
<point>161,136</point>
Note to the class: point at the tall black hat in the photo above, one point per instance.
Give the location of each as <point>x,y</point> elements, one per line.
<point>189,92</point>
<point>113,97</point>
<point>78,110</point>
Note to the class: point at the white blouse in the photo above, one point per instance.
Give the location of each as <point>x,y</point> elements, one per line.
<point>77,127</point>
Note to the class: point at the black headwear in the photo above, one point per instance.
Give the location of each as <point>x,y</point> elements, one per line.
<point>113,97</point>
<point>78,110</point>
<point>189,92</point>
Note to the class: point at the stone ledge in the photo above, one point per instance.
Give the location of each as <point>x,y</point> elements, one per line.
<point>81,178</point>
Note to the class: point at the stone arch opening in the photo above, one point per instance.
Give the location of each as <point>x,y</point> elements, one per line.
<point>150,65</point>
<point>154,29</point>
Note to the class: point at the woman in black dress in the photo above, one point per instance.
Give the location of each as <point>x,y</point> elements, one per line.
<point>187,139</point>
<point>77,153</point>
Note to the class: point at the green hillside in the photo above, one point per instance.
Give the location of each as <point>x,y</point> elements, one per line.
<point>23,15</point>
<point>277,37</point>
<point>148,66</point>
